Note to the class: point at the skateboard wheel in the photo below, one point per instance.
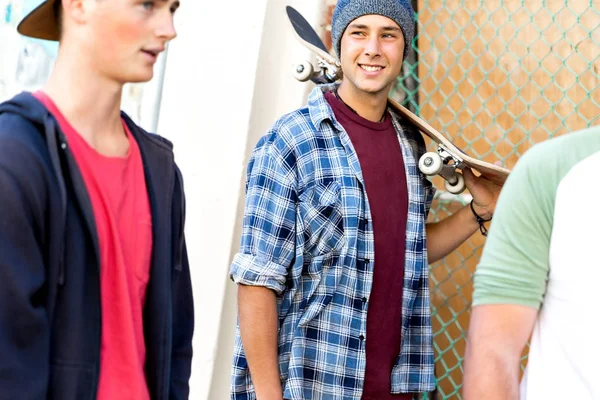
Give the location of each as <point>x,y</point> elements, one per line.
<point>458,187</point>
<point>303,71</point>
<point>430,163</point>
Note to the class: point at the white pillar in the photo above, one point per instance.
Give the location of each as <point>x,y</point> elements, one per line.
<point>275,92</point>
<point>228,78</point>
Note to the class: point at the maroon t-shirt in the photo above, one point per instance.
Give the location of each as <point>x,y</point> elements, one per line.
<point>383,171</point>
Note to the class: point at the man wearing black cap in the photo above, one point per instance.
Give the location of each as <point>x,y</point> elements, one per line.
<point>332,269</point>
<point>96,299</point>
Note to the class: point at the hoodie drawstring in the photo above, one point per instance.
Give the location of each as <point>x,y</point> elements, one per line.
<point>180,244</point>
<point>51,141</point>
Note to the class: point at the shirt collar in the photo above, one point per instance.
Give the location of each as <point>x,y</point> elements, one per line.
<point>318,107</point>
<point>320,110</point>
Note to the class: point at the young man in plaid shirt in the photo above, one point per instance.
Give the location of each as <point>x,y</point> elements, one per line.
<point>332,270</point>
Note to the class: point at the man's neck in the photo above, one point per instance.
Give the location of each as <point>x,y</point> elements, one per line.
<point>370,106</point>
<point>90,102</point>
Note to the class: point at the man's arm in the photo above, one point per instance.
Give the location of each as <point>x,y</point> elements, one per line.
<point>257,307</point>
<point>445,236</point>
<point>266,254</point>
<point>183,331</point>
<point>24,325</point>
<point>510,280</point>
<point>183,303</point>
<point>497,336</point>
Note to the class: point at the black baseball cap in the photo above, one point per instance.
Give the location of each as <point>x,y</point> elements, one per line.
<point>41,23</point>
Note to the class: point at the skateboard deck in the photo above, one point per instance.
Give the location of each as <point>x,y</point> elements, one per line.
<point>448,157</point>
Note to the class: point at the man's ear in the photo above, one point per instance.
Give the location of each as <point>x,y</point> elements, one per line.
<point>75,11</point>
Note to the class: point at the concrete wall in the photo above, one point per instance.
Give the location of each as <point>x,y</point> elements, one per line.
<point>228,78</point>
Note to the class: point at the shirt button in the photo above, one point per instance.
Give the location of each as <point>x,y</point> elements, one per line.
<point>361,337</point>
<point>367,261</point>
<point>364,299</point>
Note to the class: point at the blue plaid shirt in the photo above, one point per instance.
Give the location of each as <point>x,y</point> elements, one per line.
<point>307,235</point>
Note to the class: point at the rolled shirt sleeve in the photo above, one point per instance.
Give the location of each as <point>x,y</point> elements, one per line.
<point>268,240</point>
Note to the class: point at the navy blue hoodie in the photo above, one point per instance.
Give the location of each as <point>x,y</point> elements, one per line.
<point>50,313</point>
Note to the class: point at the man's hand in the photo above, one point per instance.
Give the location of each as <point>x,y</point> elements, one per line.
<point>445,236</point>
<point>485,193</point>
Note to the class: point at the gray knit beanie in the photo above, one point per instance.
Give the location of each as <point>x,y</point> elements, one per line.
<point>347,11</point>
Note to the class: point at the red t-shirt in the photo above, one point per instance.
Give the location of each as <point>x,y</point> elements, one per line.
<point>382,166</point>
<point>117,190</point>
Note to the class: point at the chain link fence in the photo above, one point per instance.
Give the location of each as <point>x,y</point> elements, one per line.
<point>496,77</point>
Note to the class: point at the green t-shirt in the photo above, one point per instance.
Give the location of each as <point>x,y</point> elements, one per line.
<point>550,182</point>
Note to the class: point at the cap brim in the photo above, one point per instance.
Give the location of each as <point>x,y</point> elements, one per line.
<point>41,23</point>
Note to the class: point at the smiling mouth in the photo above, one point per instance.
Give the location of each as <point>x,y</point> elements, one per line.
<point>151,52</point>
<point>371,68</point>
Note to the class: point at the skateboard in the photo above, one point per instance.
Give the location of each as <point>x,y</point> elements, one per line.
<point>445,161</point>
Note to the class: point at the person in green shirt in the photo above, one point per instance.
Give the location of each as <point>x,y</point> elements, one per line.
<point>538,278</point>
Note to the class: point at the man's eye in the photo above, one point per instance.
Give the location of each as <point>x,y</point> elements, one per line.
<point>148,5</point>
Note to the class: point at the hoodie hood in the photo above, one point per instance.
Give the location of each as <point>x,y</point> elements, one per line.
<point>28,107</point>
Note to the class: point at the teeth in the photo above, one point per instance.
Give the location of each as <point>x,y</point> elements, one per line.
<point>370,68</point>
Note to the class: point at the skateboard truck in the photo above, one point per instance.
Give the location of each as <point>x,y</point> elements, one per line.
<point>327,72</point>
<point>438,163</point>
